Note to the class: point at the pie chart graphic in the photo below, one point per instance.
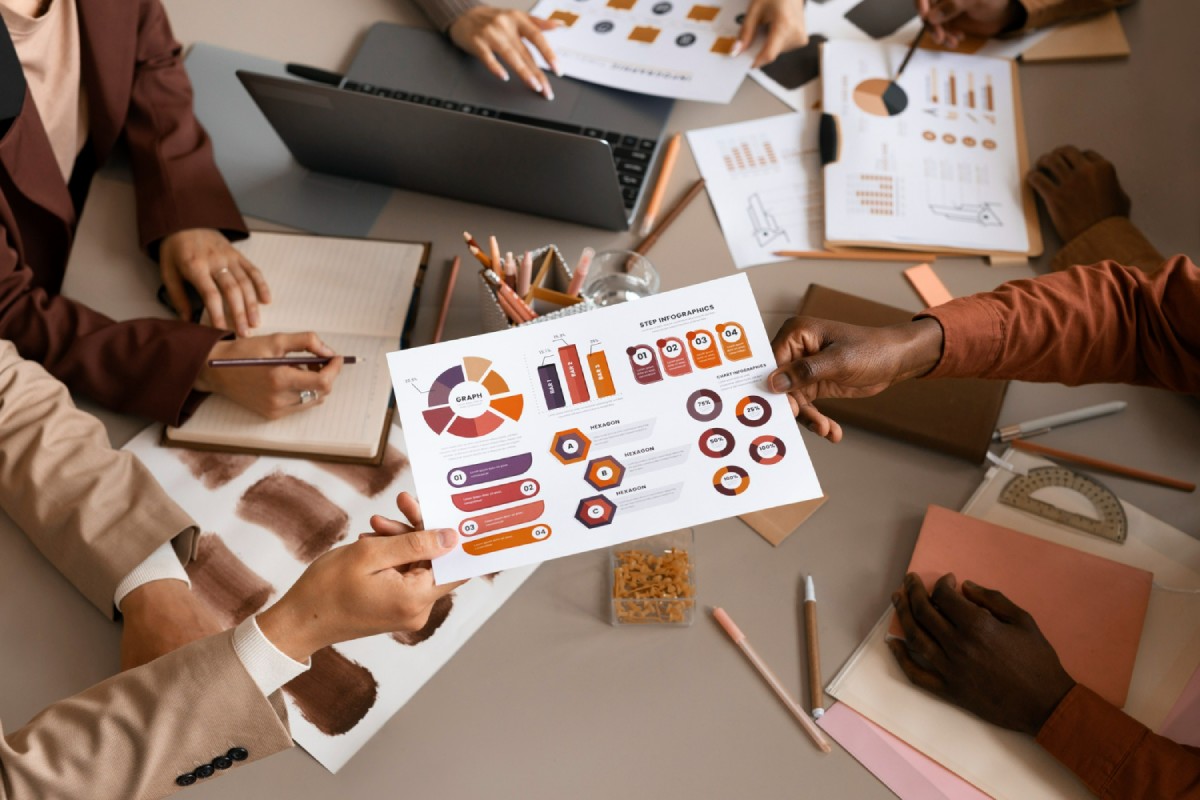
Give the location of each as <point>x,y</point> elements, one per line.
<point>880,97</point>
<point>471,400</point>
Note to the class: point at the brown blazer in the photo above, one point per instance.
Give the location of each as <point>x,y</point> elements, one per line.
<point>137,90</point>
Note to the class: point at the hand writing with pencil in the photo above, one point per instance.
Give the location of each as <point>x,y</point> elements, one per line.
<point>820,358</point>
<point>978,650</point>
<point>223,276</point>
<point>272,392</point>
<point>951,20</point>
<point>494,35</point>
<point>784,24</point>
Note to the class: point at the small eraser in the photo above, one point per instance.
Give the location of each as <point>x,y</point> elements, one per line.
<point>734,632</point>
<point>928,285</point>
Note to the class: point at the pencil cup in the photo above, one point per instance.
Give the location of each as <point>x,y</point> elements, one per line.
<point>618,276</point>
<point>652,581</point>
<point>557,277</point>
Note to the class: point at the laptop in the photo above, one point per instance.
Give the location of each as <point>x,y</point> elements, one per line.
<point>415,112</point>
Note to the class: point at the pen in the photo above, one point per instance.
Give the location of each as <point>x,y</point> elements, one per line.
<point>581,271</point>
<point>912,48</point>
<point>816,696</point>
<point>282,361</point>
<point>857,255</point>
<point>739,639</point>
<point>525,274</point>
<point>510,270</point>
<point>1038,426</point>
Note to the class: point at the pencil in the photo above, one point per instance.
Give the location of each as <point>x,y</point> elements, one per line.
<point>816,696</point>
<point>858,255</point>
<point>739,639</point>
<point>581,271</point>
<point>645,245</point>
<point>476,250</point>
<point>445,309</point>
<point>912,48</point>
<point>510,270</point>
<point>494,254</point>
<point>505,292</point>
<point>1106,466</point>
<point>660,187</point>
<point>525,274</point>
<point>510,311</point>
<point>281,361</point>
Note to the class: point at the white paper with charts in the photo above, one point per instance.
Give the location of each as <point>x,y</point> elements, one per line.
<point>764,180</point>
<point>551,439</point>
<point>936,164</point>
<point>670,48</point>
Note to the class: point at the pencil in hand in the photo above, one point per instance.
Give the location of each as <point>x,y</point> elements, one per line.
<point>281,361</point>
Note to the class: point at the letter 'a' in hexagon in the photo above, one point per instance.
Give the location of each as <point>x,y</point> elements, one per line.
<point>604,473</point>
<point>595,512</point>
<point>570,446</point>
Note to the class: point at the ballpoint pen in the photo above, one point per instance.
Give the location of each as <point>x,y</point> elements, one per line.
<point>1034,427</point>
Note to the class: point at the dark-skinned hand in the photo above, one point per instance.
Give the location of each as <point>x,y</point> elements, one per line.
<point>951,20</point>
<point>980,651</point>
<point>1079,188</point>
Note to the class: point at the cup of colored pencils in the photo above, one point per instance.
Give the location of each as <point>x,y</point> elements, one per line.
<point>527,285</point>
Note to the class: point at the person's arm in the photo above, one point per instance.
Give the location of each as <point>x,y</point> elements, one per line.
<point>951,20</point>
<point>1042,13</point>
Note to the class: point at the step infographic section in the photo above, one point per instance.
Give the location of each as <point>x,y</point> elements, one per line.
<point>569,435</point>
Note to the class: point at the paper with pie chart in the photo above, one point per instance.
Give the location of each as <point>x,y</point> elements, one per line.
<point>931,160</point>
<point>578,433</point>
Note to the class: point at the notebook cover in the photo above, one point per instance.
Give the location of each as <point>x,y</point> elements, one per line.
<point>953,415</point>
<point>1090,608</point>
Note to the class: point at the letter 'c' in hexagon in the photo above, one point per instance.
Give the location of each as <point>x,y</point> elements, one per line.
<point>595,512</point>
<point>604,473</point>
<point>570,446</point>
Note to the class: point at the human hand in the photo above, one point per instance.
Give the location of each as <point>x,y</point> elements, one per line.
<point>951,20</point>
<point>161,616</point>
<point>1079,190</point>
<point>273,392</point>
<point>491,34</point>
<point>379,584</point>
<point>784,21</point>
<point>980,651</point>
<point>223,277</point>
<point>819,358</point>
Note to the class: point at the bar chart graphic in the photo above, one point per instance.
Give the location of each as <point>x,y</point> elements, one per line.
<point>749,155</point>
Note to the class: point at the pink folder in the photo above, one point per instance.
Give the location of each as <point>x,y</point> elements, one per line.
<point>1091,609</point>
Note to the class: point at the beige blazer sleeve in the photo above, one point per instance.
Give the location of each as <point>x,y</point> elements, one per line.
<point>442,13</point>
<point>193,712</point>
<point>93,511</point>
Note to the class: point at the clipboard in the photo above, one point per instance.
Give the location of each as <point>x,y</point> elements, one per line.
<point>832,139</point>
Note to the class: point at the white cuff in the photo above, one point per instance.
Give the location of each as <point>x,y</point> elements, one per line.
<point>269,667</point>
<point>162,564</point>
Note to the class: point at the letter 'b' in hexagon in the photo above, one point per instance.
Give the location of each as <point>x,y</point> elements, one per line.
<point>570,446</point>
<point>595,512</point>
<point>604,473</point>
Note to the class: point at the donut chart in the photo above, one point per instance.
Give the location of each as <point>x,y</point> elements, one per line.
<point>717,443</point>
<point>753,411</point>
<point>731,481</point>
<point>470,400</point>
<point>767,450</point>
<point>704,405</point>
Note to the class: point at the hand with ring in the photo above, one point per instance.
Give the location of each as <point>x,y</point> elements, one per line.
<point>224,278</point>
<point>272,392</point>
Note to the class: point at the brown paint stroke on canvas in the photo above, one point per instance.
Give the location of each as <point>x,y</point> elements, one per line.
<point>215,470</point>
<point>295,511</point>
<point>223,580</point>
<point>437,615</point>
<point>335,693</point>
<point>369,480</point>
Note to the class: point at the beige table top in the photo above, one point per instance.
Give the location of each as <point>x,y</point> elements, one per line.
<point>548,700</point>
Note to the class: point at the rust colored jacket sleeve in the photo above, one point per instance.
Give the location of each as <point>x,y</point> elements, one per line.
<point>1103,323</point>
<point>1115,755</point>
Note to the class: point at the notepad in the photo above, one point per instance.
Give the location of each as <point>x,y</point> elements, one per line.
<point>356,295</point>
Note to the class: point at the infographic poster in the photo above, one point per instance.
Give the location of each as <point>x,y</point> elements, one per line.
<point>569,435</point>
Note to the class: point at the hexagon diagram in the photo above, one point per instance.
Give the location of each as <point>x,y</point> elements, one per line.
<point>604,473</point>
<point>570,446</point>
<point>595,512</point>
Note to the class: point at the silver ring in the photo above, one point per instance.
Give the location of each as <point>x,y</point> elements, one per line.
<point>307,396</point>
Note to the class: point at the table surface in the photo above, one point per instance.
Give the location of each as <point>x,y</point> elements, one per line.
<point>549,700</point>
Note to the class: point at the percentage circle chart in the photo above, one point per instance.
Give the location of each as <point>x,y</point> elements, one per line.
<point>471,400</point>
<point>880,97</point>
<point>767,450</point>
<point>753,411</point>
<point>704,405</point>
<point>731,480</point>
<point>717,443</point>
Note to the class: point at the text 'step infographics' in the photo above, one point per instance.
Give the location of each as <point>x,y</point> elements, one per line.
<point>574,434</point>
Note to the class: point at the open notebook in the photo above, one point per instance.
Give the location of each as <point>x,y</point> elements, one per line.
<point>355,294</point>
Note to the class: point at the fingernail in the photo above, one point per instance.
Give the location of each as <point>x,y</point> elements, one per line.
<point>557,69</point>
<point>549,92</point>
<point>505,76</point>
<point>447,537</point>
<point>737,49</point>
<point>535,85</point>
<point>781,382</point>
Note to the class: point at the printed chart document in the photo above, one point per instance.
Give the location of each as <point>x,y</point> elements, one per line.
<point>569,435</point>
<point>355,294</point>
<point>764,180</point>
<point>935,162</point>
<point>670,48</point>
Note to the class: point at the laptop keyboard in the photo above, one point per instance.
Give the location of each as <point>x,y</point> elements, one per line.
<point>632,155</point>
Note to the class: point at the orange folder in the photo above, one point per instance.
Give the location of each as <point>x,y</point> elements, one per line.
<point>1091,609</point>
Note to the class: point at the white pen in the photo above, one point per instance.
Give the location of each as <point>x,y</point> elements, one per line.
<point>1036,426</point>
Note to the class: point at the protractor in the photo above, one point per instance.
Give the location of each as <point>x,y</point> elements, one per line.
<point>1110,521</point>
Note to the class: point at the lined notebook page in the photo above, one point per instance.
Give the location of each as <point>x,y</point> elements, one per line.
<point>355,295</point>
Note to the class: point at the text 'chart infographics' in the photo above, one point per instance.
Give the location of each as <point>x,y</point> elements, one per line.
<point>551,439</point>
